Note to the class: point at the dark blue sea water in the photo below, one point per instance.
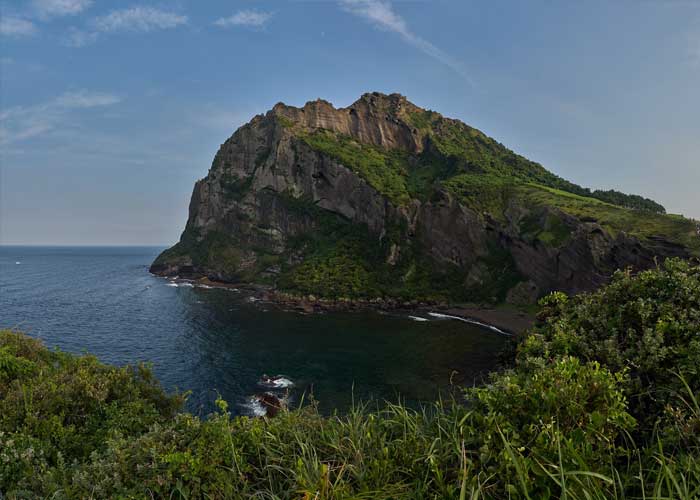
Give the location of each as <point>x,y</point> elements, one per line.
<point>209,341</point>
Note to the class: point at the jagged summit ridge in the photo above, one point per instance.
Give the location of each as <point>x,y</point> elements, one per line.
<point>374,118</point>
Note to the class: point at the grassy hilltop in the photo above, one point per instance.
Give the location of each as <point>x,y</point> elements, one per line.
<point>601,401</point>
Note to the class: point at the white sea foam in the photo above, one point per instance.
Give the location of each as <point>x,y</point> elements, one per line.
<point>277,382</point>
<point>418,318</point>
<point>18,263</point>
<point>172,284</point>
<point>470,321</point>
<point>190,285</point>
<point>282,383</point>
<point>254,407</point>
<point>206,287</point>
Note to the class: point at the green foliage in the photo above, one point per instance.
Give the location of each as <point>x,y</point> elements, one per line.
<point>56,408</point>
<point>482,192</point>
<point>565,414</point>
<point>646,324</point>
<point>332,277</point>
<point>423,119</point>
<point>615,219</point>
<point>384,170</point>
<point>481,154</point>
<point>455,149</point>
<point>343,259</point>
<point>284,121</point>
<point>13,366</point>
<point>498,185</point>
<point>627,200</point>
<point>216,251</point>
<point>544,226</point>
<point>558,430</point>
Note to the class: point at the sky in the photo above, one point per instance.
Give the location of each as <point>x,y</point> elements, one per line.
<point>110,111</point>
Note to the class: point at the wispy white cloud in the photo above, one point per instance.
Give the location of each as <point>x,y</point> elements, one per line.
<point>19,123</point>
<point>85,99</point>
<point>16,27</point>
<point>138,19</point>
<point>57,8</point>
<point>131,20</point>
<point>41,10</point>
<point>381,14</point>
<point>250,18</point>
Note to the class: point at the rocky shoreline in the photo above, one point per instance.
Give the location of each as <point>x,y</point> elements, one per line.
<point>510,320</point>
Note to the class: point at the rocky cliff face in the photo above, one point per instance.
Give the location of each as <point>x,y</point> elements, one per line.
<point>383,198</point>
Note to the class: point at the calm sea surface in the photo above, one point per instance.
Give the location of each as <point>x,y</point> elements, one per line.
<point>213,341</point>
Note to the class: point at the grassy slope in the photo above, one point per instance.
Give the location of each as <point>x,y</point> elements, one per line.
<point>487,177</point>
<point>584,413</point>
<point>638,223</point>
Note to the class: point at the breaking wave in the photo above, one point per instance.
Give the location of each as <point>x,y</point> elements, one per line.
<point>470,321</point>
<point>418,318</point>
<point>275,382</point>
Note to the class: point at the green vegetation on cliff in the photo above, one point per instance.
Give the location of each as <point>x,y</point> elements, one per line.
<point>601,402</point>
<point>489,178</point>
<point>343,260</point>
<point>644,225</point>
<point>480,154</point>
<point>384,170</point>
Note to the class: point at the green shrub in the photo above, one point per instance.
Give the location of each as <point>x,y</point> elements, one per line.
<point>646,324</point>
<point>59,407</point>
<point>565,413</point>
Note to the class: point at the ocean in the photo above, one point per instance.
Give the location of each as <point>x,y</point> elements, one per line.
<point>103,301</point>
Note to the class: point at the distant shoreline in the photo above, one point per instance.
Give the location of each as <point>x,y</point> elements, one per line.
<point>509,321</point>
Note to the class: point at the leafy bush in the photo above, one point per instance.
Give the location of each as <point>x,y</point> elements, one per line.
<point>59,407</point>
<point>333,277</point>
<point>646,324</point>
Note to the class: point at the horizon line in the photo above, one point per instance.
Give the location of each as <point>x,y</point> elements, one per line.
<point>73,245</point>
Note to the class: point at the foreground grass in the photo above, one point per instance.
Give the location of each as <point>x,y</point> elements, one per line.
<point>601,402</point>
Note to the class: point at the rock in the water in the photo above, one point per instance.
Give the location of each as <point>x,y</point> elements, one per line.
<point>271,403</point>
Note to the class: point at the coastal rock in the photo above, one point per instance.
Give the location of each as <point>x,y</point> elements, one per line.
<point>271,403</point>
<point>384,200</point>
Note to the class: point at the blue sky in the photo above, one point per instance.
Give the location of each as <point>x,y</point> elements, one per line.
<point>111,110</point>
